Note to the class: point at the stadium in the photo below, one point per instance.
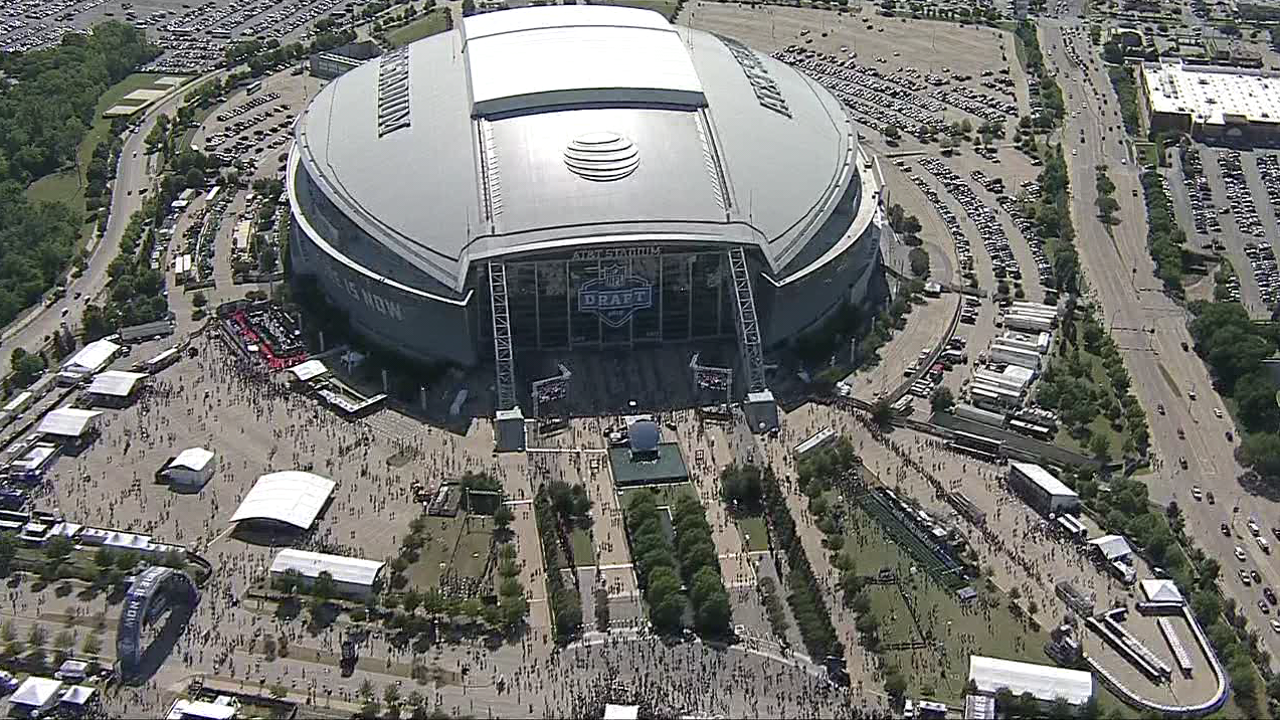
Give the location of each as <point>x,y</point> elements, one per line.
<point>573,178</point>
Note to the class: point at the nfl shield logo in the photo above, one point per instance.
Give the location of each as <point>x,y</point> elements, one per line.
<point>616,295</point>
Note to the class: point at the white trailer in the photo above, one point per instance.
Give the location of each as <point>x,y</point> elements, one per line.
<point>1015,356</point>
<point>1019,321</point>
<point>976,414</point>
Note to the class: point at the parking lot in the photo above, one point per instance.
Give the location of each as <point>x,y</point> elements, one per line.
<point>1227,200</point>
<point>194,35</point>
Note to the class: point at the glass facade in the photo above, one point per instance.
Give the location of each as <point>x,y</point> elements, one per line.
<point>603,299</point>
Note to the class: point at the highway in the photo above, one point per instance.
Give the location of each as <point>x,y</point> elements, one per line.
<point>133,172</point>
<point>1151,329</point>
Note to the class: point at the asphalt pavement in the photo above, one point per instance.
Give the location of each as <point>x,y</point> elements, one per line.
<point>1151,329</point>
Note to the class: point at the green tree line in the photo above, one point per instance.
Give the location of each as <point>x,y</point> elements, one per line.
<point>46,108</point>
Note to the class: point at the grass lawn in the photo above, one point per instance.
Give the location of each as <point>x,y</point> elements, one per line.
<point>666,9</point>
<point>580,543</point>
<point>1100,424</point>
<point>667,494</point>
<point>1147,153</point>
<point>754,536</point>
<point>938,615</point>
<point>425,26</point>
<point>454,544</point>
<point>68,185</point>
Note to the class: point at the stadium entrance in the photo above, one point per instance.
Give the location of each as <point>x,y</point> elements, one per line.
<point>599,299</point>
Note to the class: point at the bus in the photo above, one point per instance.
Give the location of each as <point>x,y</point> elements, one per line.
<point>254,87</point>
<point>1039,432</point>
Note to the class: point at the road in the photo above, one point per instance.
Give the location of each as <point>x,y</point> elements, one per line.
<point>1150,330</point>
<point>132,173</point>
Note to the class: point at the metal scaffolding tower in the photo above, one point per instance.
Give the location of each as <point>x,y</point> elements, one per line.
<point>748,327</point>
<point>503,355</point>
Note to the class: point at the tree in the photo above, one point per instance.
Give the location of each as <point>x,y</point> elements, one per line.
<point>324,589</point>
<point>38,635</point>
<point>891,132</point>
<point>942,400</point>
<point>919,262</point>
<point>279,691</point>
<point>741,485</point>
<point>26,367</point>
<point>882,414</point>
<point>92,645</point>
<point>1100,446</point>
<point>502,517</point>
<point>199,299</point>
<point>1261,451</point>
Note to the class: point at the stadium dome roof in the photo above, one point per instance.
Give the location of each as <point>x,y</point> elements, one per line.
<point>551,127</point>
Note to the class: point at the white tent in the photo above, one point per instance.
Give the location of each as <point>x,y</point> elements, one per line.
<point>77,696</point>
<point>621,712</point>
<point>1161,590</point>
<point>309,370</point>
<point>1046,683</point>
<point>352,576</point>
<point>116,383</point>
<point>292,497</point>
<point>1112,547</point>
<point>193,466</point>
<point>36,694</point>
<point>68,422</point>
<point>91,358</point>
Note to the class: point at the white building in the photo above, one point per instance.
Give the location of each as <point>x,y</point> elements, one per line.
<point>1044,492</point>
<point>352,577</point>
<point>192,467</point>
<point>1046,683</point>
<point>1207,100</point>
<point>90,359</point>
<point>115,387</point>
<point>69,423</point>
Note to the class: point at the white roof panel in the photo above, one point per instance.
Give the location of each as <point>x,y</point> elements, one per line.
<point>78,695</point>
<point>1044,479</point>
<point>115,383</point>
<point>1161,590</point>
<point>499,23</point>
<point>36,692</point>
<point>292,497</point>
<point>308,370</point>
<point>67,422</point>
<point>1045,682</point>
<point>356,571</point>
<point>580,54</point>
<point>92,357</point>
<point>1213,95</point>
<point>1113,547</point>
<point>192,459</point>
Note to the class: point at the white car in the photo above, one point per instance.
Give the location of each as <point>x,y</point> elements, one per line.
<point>1195,492</point>
<point>1244,577</point>
<point>1275,625</point>
<point>1217,412</point>
<point>1253,527</point>
<point>1240,553</point>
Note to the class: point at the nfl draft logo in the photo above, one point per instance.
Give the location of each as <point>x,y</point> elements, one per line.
<point>616,295</point>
